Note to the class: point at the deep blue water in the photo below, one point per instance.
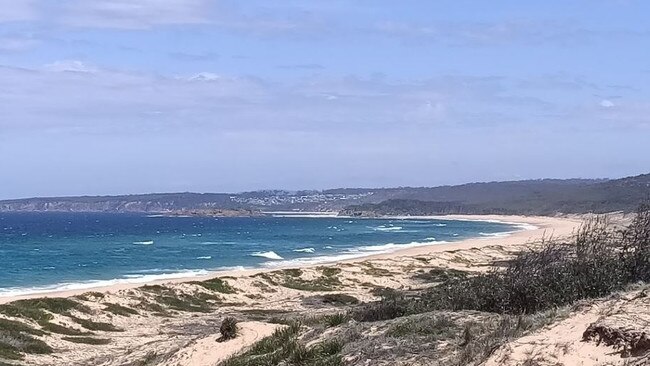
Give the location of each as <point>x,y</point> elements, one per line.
<point>40,251</point>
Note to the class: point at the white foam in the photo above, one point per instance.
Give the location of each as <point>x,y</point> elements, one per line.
<point>305,250</point>
<point>502,234</point>
<point>524,226</point>
<point>234,268</point>
<point>391,247</point>
<point>387,228</point>
<point>74,286</point>
<point>314,260</point>
<point>204,257</point>
<point>269,255</point>
<point>353,253</point>
<point>146,242</point>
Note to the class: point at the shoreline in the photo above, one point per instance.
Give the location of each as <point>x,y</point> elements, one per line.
<point>532,228</point>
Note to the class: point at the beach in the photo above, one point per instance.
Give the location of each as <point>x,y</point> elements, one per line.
<point>530,229</point>
<point>176,322</point>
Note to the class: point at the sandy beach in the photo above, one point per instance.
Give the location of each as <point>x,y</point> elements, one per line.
<point>532,228</point>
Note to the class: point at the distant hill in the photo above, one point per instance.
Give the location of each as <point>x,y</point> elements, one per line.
<point>541,197</point>
<point>155,202</point>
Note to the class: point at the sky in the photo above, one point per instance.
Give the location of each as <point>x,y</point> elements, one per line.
<point>137,96</point>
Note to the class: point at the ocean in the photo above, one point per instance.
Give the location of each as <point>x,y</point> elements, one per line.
<point>42,252</point>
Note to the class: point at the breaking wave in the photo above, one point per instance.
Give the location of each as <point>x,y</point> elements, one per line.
<point>269,255</point>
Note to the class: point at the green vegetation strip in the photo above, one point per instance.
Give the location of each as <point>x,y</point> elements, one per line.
<point>291,278</point>
<point>37,309</point>
<point>119,309</point>
<point>87,340</point>
<point>217,285</point>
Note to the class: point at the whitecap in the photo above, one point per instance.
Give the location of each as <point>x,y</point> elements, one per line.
<point>145,242</point>
<point>314,260</point>
<point>305,250</point>
<point>387,228</point>
<point>269,255</point>
<point>204,257</point>
<point>391,247</point>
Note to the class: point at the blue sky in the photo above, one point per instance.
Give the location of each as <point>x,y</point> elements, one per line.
<point>130,96</point>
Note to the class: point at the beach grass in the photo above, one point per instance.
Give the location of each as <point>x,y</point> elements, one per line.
<point>95,326</point>
<point>198,302</point>
<point>90,296</point>
<point>437,274</point>
<point>337,319</point>
<point>39,309</point>
<point>284,347</point>
<point>14,344</point>
<point>216,285</point>
<point>12,326</point>
<point>119,309</point>
<point>435,327</point>
<point>61,329</point>
<point>17,338</point>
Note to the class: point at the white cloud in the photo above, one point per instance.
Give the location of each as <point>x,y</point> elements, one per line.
<point>205,76</point>
<point>74,96</point>
<point>71,66</point>
<point>134,13</point>
<point>17,10</point>
<point>606,103</point>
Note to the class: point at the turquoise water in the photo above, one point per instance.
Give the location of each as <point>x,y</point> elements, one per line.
<point>56,251</point>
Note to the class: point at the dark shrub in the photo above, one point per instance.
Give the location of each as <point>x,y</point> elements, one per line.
<point>597,262</point>
<point>228,329</point>
<point>389,307</point>
<point>635,251</point>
